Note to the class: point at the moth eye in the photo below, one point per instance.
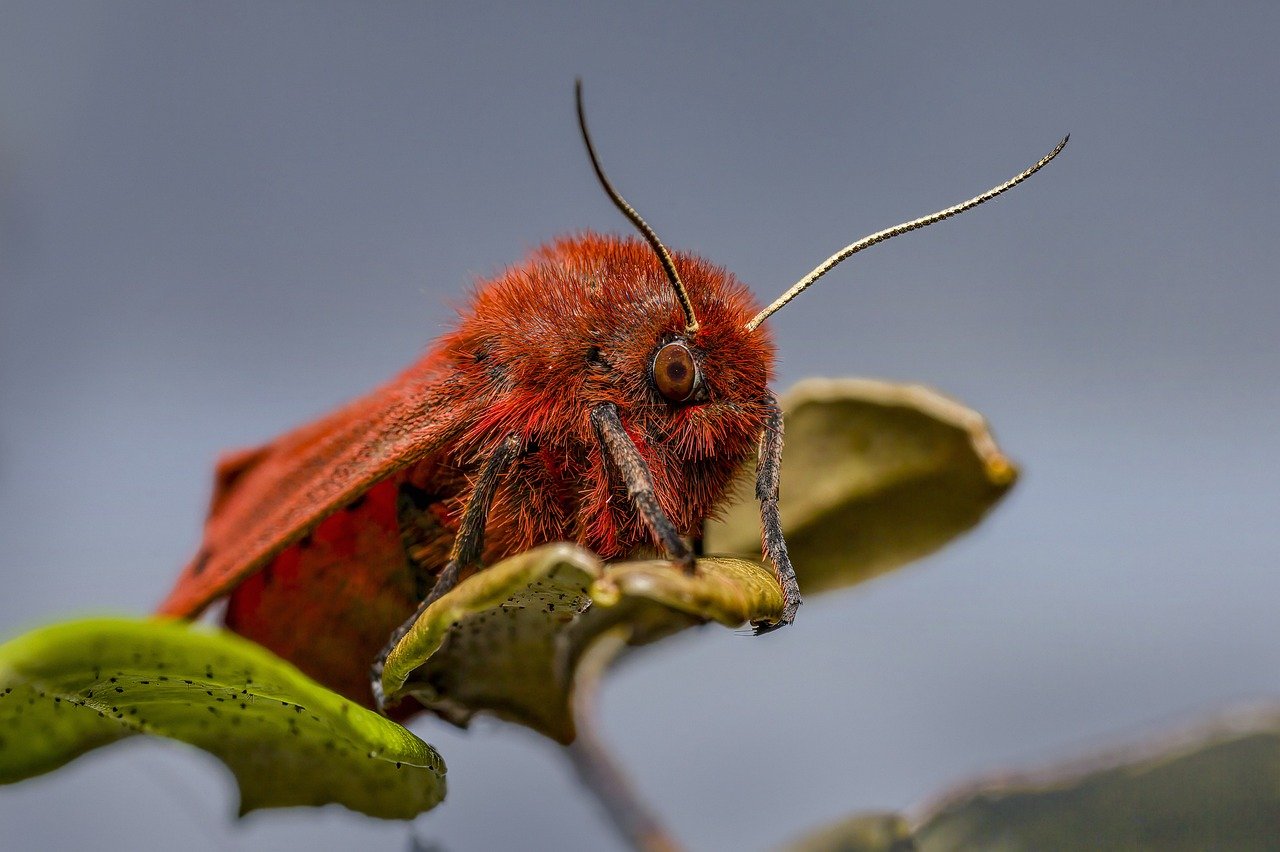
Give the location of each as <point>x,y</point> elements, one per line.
<point>675,373</point>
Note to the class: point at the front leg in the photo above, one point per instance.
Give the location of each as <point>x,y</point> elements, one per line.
<point>468,545</point>
<point>768,470</point>
<point>617,445</point>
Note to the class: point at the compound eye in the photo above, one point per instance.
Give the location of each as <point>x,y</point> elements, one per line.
<point>674,372</point>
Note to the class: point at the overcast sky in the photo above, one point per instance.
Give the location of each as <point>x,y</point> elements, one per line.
<point>218,221</point>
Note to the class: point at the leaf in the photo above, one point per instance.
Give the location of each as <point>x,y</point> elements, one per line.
<point>1216,789</point>
<point>71,687</point>
<point>863,833</point>
<point>510,639</point>
<point>874,475</point>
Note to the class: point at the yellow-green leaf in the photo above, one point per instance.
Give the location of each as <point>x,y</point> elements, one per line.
<point>68,688</point>
<point>509,640</point>
<point>874,475</point>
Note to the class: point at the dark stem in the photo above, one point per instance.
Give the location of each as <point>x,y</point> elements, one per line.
<point>602,776</point>
<point>600,773</point>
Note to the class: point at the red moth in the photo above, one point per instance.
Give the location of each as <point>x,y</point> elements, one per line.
<point>604,391</point>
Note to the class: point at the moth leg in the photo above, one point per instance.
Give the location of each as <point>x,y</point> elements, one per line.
<point>466,550</point>
<point>635,473</point>
<point>768,469</point>
<point>697,542</point>
<point>420,534</point>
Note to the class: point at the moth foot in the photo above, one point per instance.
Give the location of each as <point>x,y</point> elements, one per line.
<point>791,601</point>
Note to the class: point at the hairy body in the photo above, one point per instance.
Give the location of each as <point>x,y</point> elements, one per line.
<point>327,538</point>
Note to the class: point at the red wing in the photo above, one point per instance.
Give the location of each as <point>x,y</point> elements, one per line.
<point>328,604</point>
<point>268,498</point>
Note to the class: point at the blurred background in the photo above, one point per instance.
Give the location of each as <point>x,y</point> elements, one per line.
<point>219,221</point>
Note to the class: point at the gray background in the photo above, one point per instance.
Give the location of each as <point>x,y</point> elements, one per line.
<point>218,221</point>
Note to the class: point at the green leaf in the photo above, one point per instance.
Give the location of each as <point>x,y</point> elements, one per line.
<point>874,475</point>
<point>1216,789</point>
<point>511,639</point>
<point>71,687</point>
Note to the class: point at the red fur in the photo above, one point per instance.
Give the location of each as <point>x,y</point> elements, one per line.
<point>517,362</point>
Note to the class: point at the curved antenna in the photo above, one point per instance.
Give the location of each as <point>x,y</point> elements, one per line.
<point>682,295</point>
<point>880,236</point>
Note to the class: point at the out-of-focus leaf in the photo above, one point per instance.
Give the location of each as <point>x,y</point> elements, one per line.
<point>874,475</point>
<point>864,833</point>
<point>68,688</point>
<point>1219,792</point>
<point>1216,789</point>
<point>509,639</point>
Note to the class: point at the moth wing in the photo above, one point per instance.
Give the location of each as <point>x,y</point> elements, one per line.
<point>268,498</point>
<point>230,468</point>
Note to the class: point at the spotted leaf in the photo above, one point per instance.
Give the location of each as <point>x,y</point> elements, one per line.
<point>511,639</point>
<point>71,687</point>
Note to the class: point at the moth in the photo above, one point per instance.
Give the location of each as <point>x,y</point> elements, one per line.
<point>604,391</point>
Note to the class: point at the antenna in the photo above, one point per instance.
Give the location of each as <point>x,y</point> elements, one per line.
<point>897,230</point>
<point>682,295</point>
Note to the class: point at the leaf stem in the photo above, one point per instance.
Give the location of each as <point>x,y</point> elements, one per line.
<point>597,769</point>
